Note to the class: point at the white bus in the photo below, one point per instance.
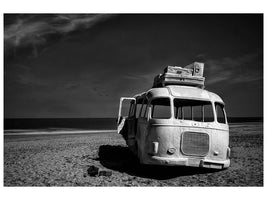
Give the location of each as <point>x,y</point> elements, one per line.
<point>176,125</point>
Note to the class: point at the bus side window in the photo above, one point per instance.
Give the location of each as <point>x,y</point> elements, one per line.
<point>138,109</point>
<point>144,107</point>
<point>161,108</point>
<point>145,112</point>
<point>220,113</point>
<point>132,109</point>
<point>139,103</point>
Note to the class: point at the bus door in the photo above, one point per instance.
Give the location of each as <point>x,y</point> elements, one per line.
<point>126,123</point>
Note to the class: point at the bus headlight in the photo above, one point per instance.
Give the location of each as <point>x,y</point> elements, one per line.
<point>171,151</point>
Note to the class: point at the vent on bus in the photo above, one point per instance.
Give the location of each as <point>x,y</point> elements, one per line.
<point>195,144</point>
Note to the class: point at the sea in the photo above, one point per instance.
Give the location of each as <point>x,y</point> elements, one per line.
<point>44,126</point>
<point>36,126</point>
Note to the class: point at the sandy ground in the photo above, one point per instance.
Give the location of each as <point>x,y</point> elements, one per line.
<point>63,160</point>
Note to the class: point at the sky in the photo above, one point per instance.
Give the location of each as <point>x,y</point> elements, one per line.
<point>79,65</point>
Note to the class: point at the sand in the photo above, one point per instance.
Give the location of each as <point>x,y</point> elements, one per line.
<point>63,160</point>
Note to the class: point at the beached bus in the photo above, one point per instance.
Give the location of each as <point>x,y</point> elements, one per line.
<point>179,125</point>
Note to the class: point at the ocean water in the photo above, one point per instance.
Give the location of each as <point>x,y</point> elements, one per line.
<point>31,126</point>
<point>55,123</point>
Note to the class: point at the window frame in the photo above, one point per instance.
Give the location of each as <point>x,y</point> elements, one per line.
<point>223,111</point>
<point>210,103</point>
<point>160,97</point>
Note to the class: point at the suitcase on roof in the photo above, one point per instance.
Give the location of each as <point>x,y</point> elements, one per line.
<point>178,70</point>
<point>192,75</point>
<point>197,68</point>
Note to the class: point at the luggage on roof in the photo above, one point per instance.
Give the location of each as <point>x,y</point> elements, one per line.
<point>197,68</point>
<point>190,75</point>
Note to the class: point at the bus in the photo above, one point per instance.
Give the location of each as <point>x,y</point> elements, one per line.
<point>176,125</point>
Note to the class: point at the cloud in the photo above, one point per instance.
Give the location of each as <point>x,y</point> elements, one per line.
<point>33,31</point>
<point>243,69</point>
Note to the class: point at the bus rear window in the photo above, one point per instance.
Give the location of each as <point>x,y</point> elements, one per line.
<point>161,108</point>
<point>188,109</point>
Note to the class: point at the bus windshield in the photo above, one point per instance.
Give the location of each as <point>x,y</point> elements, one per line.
<point>196,110</point>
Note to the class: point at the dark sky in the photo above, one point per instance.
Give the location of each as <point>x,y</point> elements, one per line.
<point>61,65</point>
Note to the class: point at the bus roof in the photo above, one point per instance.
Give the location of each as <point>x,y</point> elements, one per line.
<point>186,92</point>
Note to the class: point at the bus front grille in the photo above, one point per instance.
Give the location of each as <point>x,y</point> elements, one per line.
<point>195,144</point>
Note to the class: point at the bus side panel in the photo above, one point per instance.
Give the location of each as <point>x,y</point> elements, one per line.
<point>131,130</point>
<point>140,137</point>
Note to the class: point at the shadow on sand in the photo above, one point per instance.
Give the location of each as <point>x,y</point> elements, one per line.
<point>121,159</point>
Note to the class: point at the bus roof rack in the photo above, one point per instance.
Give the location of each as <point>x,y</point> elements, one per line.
<point>190,75</point>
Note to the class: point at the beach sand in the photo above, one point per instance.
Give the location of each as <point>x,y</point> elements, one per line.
<point>63,160</point>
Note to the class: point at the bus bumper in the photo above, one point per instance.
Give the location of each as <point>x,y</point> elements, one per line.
<point>193,162</point>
